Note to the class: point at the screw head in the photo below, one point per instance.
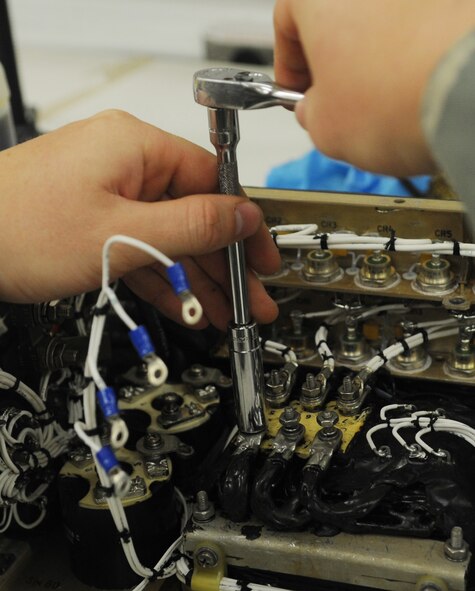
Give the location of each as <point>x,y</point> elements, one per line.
<point>153,440</point>
<point>206,557</point>
<point>327,418</point>
<point>290,418</point>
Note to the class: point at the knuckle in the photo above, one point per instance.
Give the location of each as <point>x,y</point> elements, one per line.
<point>112,118</point>
<point>205,225</point>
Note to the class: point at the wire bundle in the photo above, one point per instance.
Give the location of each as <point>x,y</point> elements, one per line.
<point>29,441</point>
<point>111,476</point>
<point>305,236</point>
<point>424,421</point>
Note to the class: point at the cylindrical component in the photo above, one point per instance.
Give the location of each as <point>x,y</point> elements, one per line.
<point>434,276</point>
<point>152,510</point>
<point>224,135</point>
<point>353,348</point>
<point>377,271</point>
<point>321,267</point>
<point>248,377</point>
<point>7,126</point>
<point>462,358</point>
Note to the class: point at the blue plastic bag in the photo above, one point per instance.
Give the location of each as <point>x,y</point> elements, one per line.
<point>316,172</point>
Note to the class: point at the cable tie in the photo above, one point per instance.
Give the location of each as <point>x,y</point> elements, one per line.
<point>274,237</point>
<point>325,357</point>
<point>324,325</point>
<point>263,343</point>
<point>125,536</point>
<point>382,355</point>
<point>424,334</point>
<point>77,315</point>
<point>101,310</point>
<point>75,397</point>
<point>15,386</point>
<point>456,250</point>
<point>93,432</point>
<point>154,576</point>
<point>391,243</point>
<point>322,341</point>
<point>433,418</point>
<point>416,422</point>
<point>324,241</point>
<point>285,351</point>
<point>160,572</point>
<point>404,345</point>
<point>244,586</point>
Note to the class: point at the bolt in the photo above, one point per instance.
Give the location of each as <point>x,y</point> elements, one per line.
<point>275,379</point>
<point>347,385</point>
<point>202,501</point>
<point>197,371</point>
<point>347,391</point>
<point>203,509</point>
<point>456,548</point>
<point>206,557</point>
<point>296,317</point>
<point>153,440</point>
<point>327,418</point>
<point>290,421</point>
<point>310,381</point>
<point>171,406</point>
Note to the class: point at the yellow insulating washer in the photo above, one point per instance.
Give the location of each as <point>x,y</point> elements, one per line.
<point>209,567</point>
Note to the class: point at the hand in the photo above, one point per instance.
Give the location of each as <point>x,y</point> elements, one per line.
<point>364,66</point>
<point>65,193</point>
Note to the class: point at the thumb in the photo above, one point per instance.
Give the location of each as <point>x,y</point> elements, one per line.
<point>193,225</point>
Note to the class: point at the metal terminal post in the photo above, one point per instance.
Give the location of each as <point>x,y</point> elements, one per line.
<point>223,91</point>
<point>456,548</point>
<point>203,509</point>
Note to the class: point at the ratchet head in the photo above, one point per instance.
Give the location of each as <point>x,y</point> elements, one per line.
<point>231,88</point>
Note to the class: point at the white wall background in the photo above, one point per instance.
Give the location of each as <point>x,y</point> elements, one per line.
<point>167,27</point>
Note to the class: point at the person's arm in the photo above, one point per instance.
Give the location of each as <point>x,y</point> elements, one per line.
<point>364,66</point>
<point>63,194</point>
<point>448,118</point>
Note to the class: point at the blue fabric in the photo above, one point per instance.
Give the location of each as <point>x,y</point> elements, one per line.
<point>316,172</point>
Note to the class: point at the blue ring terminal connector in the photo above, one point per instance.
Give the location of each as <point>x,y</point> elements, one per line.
<point>108,402</point>
<point>107,459</point>
<point>178,279</point>
<point>142,342</point>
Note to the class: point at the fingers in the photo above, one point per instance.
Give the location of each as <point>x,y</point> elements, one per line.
<point>290,63</point>
<point>194,225</point>
<point>208,279</point>
<point>176,166</point>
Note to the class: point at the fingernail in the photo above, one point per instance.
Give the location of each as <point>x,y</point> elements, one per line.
<point>248,218</point>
